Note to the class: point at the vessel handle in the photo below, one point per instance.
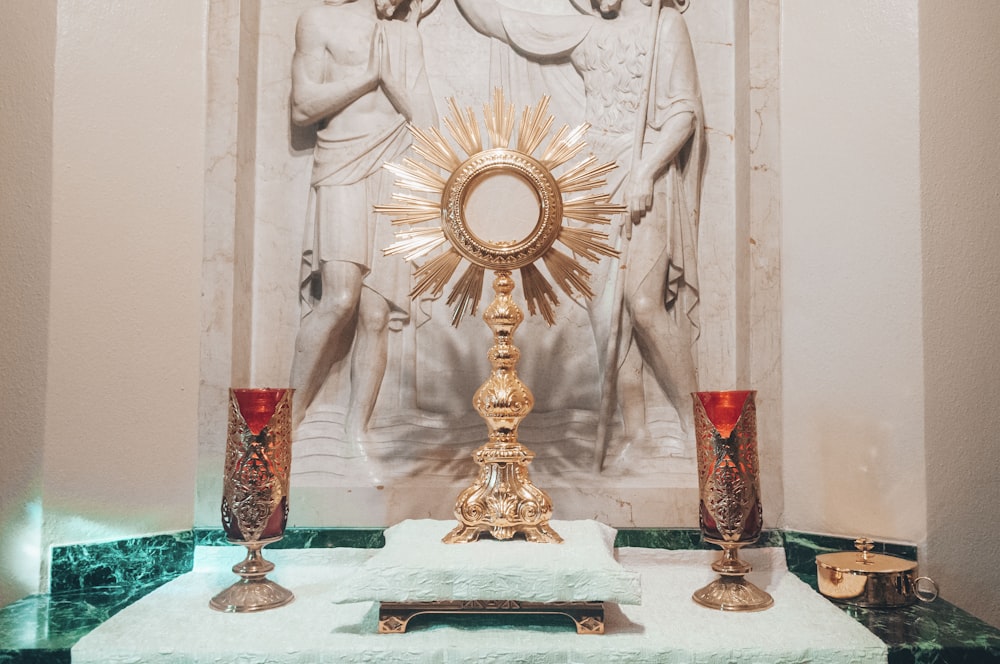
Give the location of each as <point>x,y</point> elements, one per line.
<point>922,594</point>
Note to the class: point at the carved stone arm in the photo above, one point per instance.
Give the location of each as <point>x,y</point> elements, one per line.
<point>314,100</point>
<point>655,157</point>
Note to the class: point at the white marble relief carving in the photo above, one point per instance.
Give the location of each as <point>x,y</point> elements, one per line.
<point>351,292</point>
<point>386,425</point>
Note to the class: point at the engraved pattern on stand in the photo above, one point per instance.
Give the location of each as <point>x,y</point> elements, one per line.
<point>257,469</point>
<point>728,472</point>
<point>503,499</point>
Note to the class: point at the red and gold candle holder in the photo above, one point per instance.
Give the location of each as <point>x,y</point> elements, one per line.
<point>729,494</point>
<point>255,493</point>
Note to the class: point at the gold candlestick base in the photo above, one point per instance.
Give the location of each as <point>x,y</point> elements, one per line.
<point>503,502</point>
<point>254,591</point>
<point>732,592</point>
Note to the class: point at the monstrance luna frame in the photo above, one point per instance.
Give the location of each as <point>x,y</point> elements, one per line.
<point>502,501</point>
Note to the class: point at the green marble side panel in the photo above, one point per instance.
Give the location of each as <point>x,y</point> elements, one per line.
<point>127,563</point>
<point>659,538</point>
<point>89,584</point>
<point>43,628</point>
<point>373,538</point>
<point>35,657</point>
<point>771,538</point>
<point>932,633</point>
<point>306,538</point>
<point>681,538</point>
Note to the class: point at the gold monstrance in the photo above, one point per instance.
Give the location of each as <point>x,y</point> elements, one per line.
<point>502,501</point>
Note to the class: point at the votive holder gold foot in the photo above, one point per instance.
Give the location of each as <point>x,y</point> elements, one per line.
<point>254,591</point>
<point>731,591</point>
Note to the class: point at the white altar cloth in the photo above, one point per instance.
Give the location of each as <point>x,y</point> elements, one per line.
<point>416,566</point>
<point>174,624</point>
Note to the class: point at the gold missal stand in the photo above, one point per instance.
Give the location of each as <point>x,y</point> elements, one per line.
<point>588,617</point>
<point>502,501</point>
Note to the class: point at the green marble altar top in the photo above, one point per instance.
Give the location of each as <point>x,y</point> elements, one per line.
<point>92,582</point>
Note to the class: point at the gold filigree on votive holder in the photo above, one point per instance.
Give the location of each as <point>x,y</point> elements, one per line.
<point>255,493</point>
<point>730,511</point>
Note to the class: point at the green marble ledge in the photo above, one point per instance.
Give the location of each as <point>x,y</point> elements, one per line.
<point>137,562</point>
<point>305,538</point>
<point>89,584</point>
<point>92,582</point>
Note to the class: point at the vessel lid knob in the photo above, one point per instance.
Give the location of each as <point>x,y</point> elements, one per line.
<point>864,545</point>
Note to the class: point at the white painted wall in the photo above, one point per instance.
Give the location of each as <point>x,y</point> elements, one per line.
<point>891,290</point>
<point>852,345</point>
<point>960,206</point>
<point>27,57</point>
<point>106,172</point>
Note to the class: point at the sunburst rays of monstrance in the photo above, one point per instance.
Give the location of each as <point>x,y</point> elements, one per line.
<point>502,502</point>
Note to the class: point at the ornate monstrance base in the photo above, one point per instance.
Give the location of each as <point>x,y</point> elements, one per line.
<point>503,502</point>
<point>732,592</point>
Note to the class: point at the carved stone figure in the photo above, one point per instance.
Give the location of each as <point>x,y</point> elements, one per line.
<point>643,102</point>
<point>358,75</point>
